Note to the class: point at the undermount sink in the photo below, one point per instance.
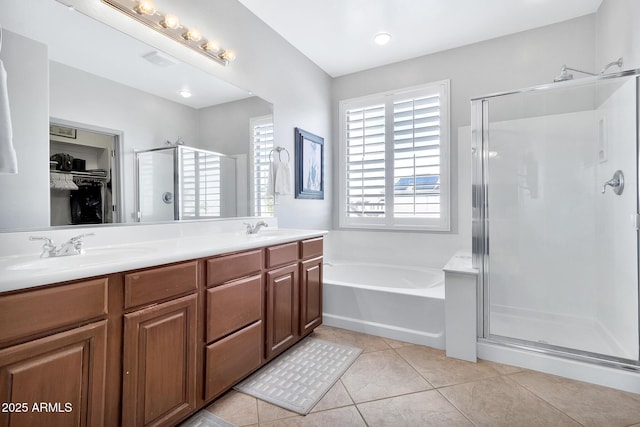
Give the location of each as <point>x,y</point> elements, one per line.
<point>91,256</point>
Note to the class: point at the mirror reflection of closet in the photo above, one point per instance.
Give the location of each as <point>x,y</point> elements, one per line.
<point>83,175</point>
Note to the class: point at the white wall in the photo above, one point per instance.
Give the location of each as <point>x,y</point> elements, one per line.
<point>225,127</point>
<point>618,34</point>
<point>28,86</point>
<point>520,60</point>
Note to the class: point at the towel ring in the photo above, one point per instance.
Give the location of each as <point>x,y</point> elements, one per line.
<point>280,150</point>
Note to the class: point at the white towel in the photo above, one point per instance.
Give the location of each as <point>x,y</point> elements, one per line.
<point>271,178</point>
<point>8,160</point>
<point>282,184</point>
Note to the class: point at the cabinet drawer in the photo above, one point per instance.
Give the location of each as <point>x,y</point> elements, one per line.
<point>282,254</point>
<point>229,267</point>
<point>232,358</point>
<point>233,306</point>
<point>311,248</point>
<point>153,285</point>
<point>34,312</point>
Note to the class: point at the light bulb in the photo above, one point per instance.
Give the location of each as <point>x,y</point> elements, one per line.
<point>185,93</point>
<point>211,45</point>
<point>229,55</point>
<point>145,7</point>
<point>193,34</point>
<point>170,21</point>
<point>382,38</point>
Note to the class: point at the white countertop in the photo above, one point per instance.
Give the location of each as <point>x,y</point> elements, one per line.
<point>461,262</point>
<point>29,270</point>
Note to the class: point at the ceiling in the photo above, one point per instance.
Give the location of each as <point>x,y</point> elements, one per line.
<point>337,35</point>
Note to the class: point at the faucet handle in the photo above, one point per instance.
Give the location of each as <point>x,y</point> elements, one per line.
<point>249,227</point>
<point>616,183</point>
<point>77,242</point>
<point>48,249</point>
<point>79,237</point>
<point>47,241</point>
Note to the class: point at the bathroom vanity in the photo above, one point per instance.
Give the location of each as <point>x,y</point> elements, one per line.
<point>152,345</point>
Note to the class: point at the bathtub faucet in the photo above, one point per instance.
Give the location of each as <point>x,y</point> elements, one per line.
<point>254,229</point>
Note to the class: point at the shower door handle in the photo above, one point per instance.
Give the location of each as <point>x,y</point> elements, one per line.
<point>617,183</point>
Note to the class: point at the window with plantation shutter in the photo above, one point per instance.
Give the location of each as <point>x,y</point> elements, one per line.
<point>395,163</point>
<point>200,192</point>
<point>365,164</point>
<point>262,142</point>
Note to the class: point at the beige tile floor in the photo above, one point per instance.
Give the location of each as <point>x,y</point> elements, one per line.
<point>398,384</point>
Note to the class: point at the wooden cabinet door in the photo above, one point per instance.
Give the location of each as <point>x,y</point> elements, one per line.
<point>54,381</point>
<point>159,363</point>
<point>310,295</point>
<point>283,317</point>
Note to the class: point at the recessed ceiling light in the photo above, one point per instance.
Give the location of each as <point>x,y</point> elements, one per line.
<point>185,93</point>
<point>382,38</point>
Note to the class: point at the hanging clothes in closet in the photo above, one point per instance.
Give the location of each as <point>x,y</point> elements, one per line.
<point>86,203</point>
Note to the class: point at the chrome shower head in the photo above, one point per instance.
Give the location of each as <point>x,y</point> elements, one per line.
<point>564,75</point>
<point>617,62</point>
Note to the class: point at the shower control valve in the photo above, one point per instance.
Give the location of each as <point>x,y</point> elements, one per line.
<point>616,183</point>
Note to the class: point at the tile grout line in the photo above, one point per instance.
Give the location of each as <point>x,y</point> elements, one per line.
<point>436,389</point>
<point>456,408</point>
<point>543,399</point>
<point>415,369</point>
<point>257,407</point>
<point>351,397</point>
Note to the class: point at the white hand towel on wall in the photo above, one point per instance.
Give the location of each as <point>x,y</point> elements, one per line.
<point>271,178</point>
<point>8,160</point>
<point>283,179</point>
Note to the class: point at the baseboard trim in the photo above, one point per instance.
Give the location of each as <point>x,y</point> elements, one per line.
<point>387,331</point>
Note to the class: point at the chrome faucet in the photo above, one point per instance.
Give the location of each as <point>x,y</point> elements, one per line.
<point>73,246</point>
<point>254,229</point>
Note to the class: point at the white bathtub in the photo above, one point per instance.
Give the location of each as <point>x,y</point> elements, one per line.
<point>403,303</point>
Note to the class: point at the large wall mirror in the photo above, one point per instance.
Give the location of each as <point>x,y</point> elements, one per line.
<point>69,74</point>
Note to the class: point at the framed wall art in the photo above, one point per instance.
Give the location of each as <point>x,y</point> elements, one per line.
<point>309,149</point>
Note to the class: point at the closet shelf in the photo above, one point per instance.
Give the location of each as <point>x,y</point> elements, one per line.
<point>98,176</point>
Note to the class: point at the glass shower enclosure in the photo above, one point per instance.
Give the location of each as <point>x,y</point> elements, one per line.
<point>555,218</point>
<point>182,183</point>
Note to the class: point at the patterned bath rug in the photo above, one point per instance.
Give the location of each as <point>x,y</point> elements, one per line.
<point>301,376</point>
<point>205,418</point>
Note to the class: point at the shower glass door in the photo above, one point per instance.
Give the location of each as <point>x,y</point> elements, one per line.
<point>560,246</point>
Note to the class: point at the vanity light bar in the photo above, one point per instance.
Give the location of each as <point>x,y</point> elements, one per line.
<point>145,12</point>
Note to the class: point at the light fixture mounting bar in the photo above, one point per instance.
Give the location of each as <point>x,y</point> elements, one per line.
<point>153,21</point>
